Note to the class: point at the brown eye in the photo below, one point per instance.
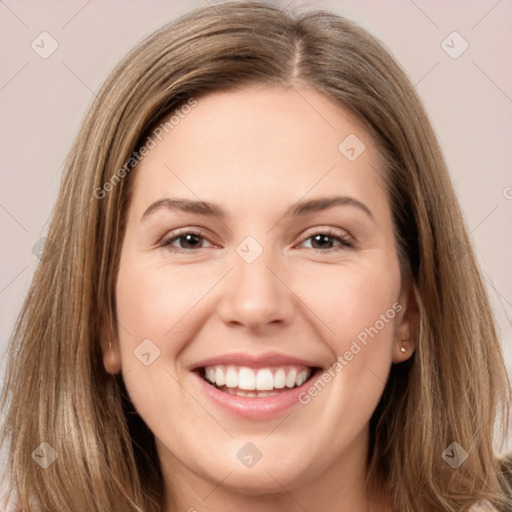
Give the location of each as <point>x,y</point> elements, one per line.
<point>328,240</point>
<point>185,241</point>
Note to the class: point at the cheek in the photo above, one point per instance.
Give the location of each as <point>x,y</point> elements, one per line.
<point>152,301</point>
<point>153,330</point>
<point>157,310</point>
<point>357,302</point>
<point>360,307</point>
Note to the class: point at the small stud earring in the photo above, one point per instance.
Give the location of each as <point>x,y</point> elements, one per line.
<point>403,349</point>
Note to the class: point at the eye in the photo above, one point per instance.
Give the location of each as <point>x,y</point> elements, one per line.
<point>190,239</point>
<point>329,240</point>
<point>185,241</point>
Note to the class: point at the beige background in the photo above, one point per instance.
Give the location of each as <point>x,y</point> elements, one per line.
<point>42,102</point>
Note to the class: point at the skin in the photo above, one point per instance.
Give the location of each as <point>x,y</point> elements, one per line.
<point>255,152</point>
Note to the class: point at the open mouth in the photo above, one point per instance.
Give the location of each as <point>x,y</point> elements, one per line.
<point>263,382</point>
<point>254,387</point>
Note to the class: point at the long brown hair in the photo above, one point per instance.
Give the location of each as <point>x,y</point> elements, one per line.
<point>56,389</point>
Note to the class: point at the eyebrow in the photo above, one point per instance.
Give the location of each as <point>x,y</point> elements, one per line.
<point>296,209</point>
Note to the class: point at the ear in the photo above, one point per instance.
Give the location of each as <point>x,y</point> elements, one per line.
<point>109,346</point>
<point>407,323</point>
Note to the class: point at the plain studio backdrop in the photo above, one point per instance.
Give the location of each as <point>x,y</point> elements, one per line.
<point>54,55</point>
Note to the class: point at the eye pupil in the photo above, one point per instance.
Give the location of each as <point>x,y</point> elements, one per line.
<point>322,239</point>
<point>190,239</point>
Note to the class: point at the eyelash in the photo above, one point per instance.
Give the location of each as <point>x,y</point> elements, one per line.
<point>343,239</point>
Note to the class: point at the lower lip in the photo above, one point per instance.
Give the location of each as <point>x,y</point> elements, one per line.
<point>264,408</point>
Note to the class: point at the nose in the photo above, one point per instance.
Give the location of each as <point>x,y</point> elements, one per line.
<point>256,295</point>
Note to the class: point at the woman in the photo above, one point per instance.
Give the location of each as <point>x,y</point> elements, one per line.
<point>247,299</point>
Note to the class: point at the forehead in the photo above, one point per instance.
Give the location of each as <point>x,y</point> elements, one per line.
<point>272,145</point>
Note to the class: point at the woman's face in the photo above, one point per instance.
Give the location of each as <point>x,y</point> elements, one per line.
<point>259,252</point>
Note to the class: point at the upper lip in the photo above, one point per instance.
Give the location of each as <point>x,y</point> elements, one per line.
<point>264,360</point>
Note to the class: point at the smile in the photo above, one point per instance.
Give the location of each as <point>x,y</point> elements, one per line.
<point>263,382</point>
<point>256,388</point>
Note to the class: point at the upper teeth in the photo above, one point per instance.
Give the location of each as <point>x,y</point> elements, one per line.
<point>263,379</point>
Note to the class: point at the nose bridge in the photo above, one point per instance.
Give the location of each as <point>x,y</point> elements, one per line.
<point>254,295</point>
